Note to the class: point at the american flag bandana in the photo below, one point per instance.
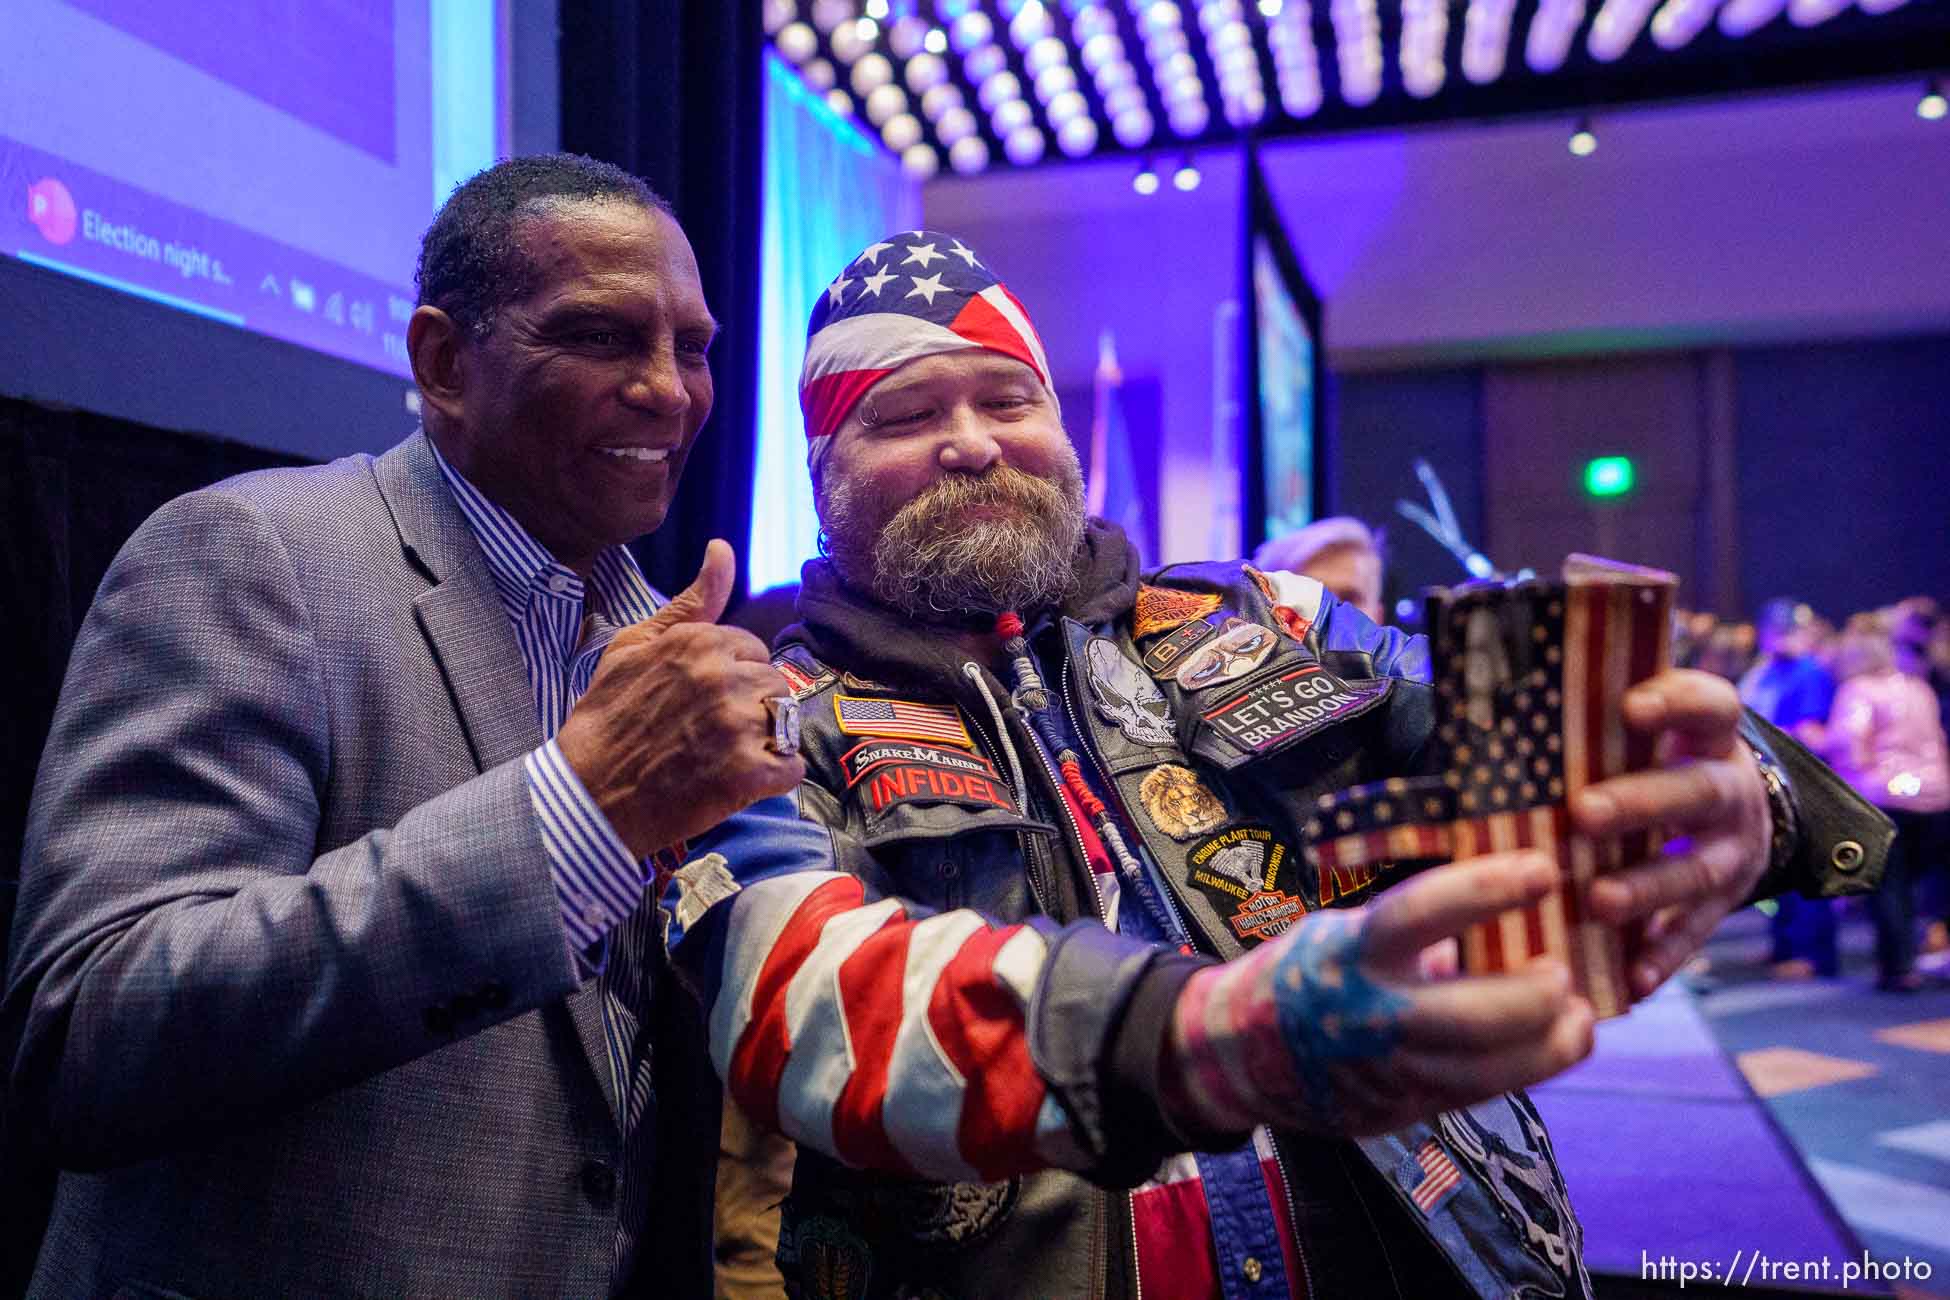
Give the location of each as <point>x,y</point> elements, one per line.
<point>905,297</point>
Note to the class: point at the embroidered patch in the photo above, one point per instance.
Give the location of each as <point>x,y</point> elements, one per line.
<point>1429,1176</point>
<point>1124,695</point>
<point>901,720</point>
<point>1292,706</point>
<point>1169,650</point>
<point>1159,609</point>
<point>1242,870</point>
<point>855,682</point>
<point>701,883</point>
<point>900,771</point>
<point>1179,803</point>
<point>1292,621</point>
<point>1239,648</point>
<point>833,1261</point>
<point>1264,584</point>
<point>803,673</point>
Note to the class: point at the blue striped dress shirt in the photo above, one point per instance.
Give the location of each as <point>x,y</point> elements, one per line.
<point>562,625</point>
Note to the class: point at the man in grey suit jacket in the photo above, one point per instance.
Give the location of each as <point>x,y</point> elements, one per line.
<point>316,974</point>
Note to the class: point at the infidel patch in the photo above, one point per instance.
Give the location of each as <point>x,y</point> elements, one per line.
<point>1244,871</point>
<point>883,773</point>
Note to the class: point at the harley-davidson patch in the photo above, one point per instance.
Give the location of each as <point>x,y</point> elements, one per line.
<point>1159,609</point>
<point>1241,870</point>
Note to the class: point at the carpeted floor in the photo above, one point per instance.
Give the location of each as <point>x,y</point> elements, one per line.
<point>1859,1081</point>
<point>1774,1133</point>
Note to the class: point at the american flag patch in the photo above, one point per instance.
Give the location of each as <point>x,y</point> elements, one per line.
<point>902,719</point>
<point>1435,1175</point>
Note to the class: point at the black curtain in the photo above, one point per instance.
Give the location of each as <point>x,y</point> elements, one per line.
<point>672,91</point>
<point>73,486</point>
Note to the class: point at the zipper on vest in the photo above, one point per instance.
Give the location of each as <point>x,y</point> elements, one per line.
<point>1292,1216</point>
<point>1137,1275</point>
<point>1040,886</point>
<point>1076,835</point>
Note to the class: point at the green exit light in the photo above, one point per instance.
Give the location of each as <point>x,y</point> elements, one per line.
<point>1608,476</point>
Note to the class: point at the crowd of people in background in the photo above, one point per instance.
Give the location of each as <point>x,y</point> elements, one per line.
<point>1871,696</point>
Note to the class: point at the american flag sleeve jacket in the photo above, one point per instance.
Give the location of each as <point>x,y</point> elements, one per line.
<point>910,1039</point>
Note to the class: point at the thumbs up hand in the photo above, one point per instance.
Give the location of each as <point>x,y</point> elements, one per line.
<point>670,737</point>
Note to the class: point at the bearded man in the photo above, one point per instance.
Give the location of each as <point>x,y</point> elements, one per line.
<point>998,1031</point>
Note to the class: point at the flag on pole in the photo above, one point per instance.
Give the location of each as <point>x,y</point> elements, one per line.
<point>1112,481</point>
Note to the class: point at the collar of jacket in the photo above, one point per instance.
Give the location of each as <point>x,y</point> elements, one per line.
<point>842,625</point>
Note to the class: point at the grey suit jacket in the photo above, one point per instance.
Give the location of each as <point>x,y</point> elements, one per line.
<point>289,998</point>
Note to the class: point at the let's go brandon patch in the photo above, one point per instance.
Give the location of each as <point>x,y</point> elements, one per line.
<point>882,773</point>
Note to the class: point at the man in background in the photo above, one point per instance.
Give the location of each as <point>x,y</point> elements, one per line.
<point>337,966</point>
<point>1340,551</point>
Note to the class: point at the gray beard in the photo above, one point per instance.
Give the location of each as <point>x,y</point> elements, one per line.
<point>928,563</point>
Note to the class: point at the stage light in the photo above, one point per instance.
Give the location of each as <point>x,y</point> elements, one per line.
<point>1186,178</point>
<point>1124,99</point>
<point>1054,82</point>
<point>1077,137</point>
<point>1032,24</point>
<point>1133,128</point>
<point>1190,118</point>
<point>876,8</point>
<point>979,65</point>
<point>1742,16</point>
<point>1608,476</point>
<point>840,102</point>
<point>949,10</point>
<point>1931,108</point>
<point>870,74</point>
<point>885,103</point>
<point>999,89</point>
<point>937,100</point>
<point>936,41</point>
<point>778,13</point>
<point>1246,109</point>
<point>1146,180</point>
<point>901,130</point>
<point>797,42</point>
<point>1093,21</point>
<point>970,30</point>
<point>1810,13</point>
<point>954,126</point>
<point>819,74</point>
<point>1584,141</point>
<point>846,44</point>
<point>1045,54</point>
<point>867,29</point>
<point>924,72</point>
<point>1615,28</point>
<point>1115,76</point>
<point>920,161</point>
<point>906,36</point>
<point>1269,8</point>
<point>1024,145</point>
<point>969,155</point>
<point>830,15</point>
<point>1161,16</point>
<point>1099,50</point>
<point>1010,115</point>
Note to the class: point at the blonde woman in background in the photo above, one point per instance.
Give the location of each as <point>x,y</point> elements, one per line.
<point>1886,738</point>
